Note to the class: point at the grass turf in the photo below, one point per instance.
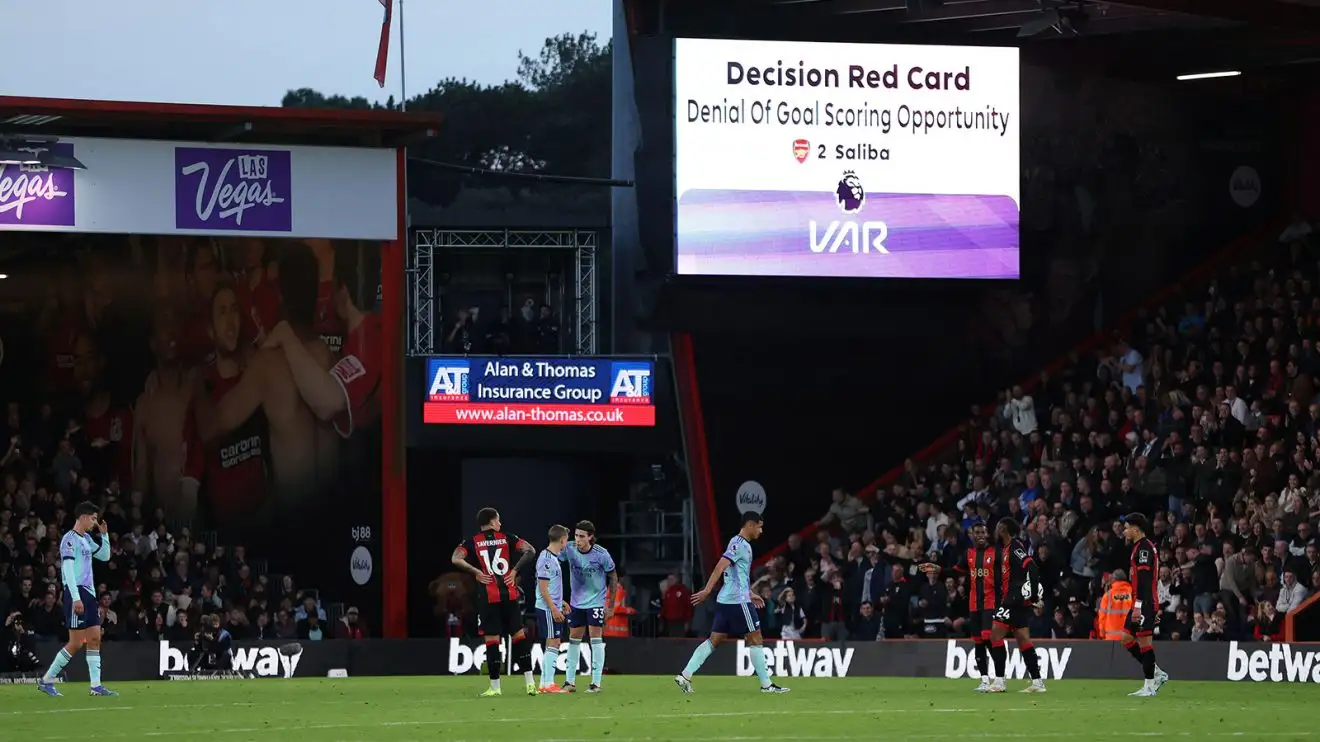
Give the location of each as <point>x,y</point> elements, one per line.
<point>652,709</point>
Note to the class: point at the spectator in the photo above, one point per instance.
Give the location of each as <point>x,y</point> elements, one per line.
<point>1020,411</point>
<point>675,607</point>
<point>867,626</point>
<point>1291,594</point>
<point>847,511</point>
<point>792,618</point>
<point>350,626</point>
<point>310,628</point>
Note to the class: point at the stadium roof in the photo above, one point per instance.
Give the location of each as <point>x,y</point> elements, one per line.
<point>177,121</point>
<point>1129,38</point>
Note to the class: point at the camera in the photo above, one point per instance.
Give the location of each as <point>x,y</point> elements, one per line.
<point>212,649</point>
<point>20,647</point>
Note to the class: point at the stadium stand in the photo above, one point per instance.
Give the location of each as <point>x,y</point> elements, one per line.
<point>1201,411</point>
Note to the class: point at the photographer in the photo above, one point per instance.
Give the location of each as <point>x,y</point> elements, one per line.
<point>213,648</point>
<point>20,646</point>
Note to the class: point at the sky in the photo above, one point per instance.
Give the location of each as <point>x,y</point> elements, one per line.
<point>250,52</point>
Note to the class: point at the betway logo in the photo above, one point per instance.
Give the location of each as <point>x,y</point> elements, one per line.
<point>1053,663</point>
<point>786,659</point>
<point>263,662</point>
<point>464,659</point>
<point>1277,664</point>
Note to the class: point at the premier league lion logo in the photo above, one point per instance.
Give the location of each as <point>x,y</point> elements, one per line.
<point>850,195</point>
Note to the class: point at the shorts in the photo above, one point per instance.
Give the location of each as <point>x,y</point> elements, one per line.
<point>1144,623</point>
<point>500,619</point>
<point>736,619</point>
<point>91,615</point>
<point>979,623</point>
<point>549,629</point>
<point>579,617</point>
<point>1013,617</point>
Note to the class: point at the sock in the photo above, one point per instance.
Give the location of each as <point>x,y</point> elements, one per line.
<point>699,656</point>
<point>982,659</point>
<point>494,658</point>
<point>597,659</point>
<point>1028,651</point>
<point>758,662</point>
<point>57,665</point>
<point>522,652</point>
<point>548,665</point>
<point>570,671</point>
<point>1148,662</point>
<point>1133,650</point>
<point>998,659</point>
<point>94,666</point>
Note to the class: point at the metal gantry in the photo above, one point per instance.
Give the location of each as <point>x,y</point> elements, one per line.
<point>427,242</point>
<point>421,294</point>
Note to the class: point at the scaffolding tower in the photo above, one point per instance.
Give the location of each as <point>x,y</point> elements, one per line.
<point>426,243</point>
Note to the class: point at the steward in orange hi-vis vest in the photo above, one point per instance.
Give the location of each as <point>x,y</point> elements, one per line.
<point>1115,607</point>
<point>617,625</point>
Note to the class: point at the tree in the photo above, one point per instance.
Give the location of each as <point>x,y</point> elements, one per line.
<point>554,118</point>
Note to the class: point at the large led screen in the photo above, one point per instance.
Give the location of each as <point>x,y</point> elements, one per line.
<point>846,160</point>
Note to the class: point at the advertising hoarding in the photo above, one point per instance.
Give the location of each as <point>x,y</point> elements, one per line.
<point>194,188</point>
<point>529,390</point>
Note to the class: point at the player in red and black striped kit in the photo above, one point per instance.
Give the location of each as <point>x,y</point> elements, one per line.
<point>488,557</point>
<point>978,565</point>
<point>1020,589</point>
<point>1140,627</point>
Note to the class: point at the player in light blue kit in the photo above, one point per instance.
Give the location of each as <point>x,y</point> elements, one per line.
<point>550,606</point>
<point>737,609</point>
<point>81,613</point>
<point>591,580</point>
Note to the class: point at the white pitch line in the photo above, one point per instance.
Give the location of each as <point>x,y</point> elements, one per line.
<point>599,717</point>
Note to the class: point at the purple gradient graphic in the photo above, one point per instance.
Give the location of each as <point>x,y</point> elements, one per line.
<point>767,233</point>
<point>38,195</point>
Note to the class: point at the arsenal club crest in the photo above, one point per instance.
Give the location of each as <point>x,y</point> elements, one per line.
<point>801,148</point>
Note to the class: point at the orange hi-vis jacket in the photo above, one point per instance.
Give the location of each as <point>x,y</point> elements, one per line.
<point>1115,607</point>
<point>618,623</point>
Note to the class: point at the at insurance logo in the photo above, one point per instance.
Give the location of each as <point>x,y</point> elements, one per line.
<point>1280,663</point>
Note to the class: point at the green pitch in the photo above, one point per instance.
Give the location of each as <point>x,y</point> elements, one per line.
<point>652,709</point>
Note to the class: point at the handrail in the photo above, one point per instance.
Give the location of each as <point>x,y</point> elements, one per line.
<point>1288,619</point>
<point>1202,272</point>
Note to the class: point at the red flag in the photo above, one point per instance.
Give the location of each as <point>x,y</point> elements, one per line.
<point>383,51</point>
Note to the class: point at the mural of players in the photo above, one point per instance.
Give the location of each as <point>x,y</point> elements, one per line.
<point>233,473</point>
<point>163,369</point>
<point>302,448</point>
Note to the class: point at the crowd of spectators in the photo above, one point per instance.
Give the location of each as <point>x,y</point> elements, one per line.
<point>160,579</point>
<point>1203,415</point>
<point>534,329</point>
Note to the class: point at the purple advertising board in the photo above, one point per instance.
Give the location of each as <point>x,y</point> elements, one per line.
<point>36,195</point>
<point>242,190</point>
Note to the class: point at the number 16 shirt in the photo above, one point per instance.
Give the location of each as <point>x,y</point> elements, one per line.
<point>493,553</point>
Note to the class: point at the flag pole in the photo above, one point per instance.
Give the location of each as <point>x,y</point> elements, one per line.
<point>403,64</point>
